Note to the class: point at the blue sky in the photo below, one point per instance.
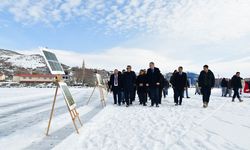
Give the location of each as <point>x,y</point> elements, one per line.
<point>112,34</point>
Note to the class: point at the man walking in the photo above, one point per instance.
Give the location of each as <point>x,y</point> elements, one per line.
<point>116,86</point>
<point>206,83</point>
<point>236,84</point>
<point>153,82</point>
<point>179,84</point>
<point>129,83</point>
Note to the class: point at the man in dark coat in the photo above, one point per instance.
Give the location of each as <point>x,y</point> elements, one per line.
<point>141,81</point>
<point>115,84</point>
<point>179,84</point>
<point>206,83</point>
<point>236,85</point>
<point>153,82</point>
<point>129,83</point>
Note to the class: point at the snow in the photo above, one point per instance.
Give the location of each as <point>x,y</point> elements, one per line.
<point>21,60</point>
<point>27,61</point>
<point>24,118</point>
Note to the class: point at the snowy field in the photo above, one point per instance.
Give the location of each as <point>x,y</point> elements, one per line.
<point>24,114</point>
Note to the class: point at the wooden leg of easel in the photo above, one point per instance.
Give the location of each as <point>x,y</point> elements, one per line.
<point>77,114</point>
<point>52,111</point>
<point>91,95</point>
<point>73,119</point>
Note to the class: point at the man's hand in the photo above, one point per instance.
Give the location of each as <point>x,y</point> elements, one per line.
<point>141,84</point>
<point>157,83</point>
<point>147,84</point>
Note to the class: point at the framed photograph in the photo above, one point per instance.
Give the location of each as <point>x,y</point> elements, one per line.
<point>99,80</point>
<point>52,62</point>
<point>67,95</point>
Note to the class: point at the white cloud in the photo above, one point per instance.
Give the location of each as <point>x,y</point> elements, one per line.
<point>204,20</point>
<point>182,32</point>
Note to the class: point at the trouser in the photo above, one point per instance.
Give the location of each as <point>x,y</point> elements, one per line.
<point>229,91</point>
<point>134,94</point>
<point>224,91</point>
<point>197,91</point>
<point>129,95</point>
<point>236,93</point>
<point>165,92</point>
<point>160,94</point>
<point>178,94</point>
<point>142,97</point>
<point>116,95</point>
<point>186,91</point>
<point>122,97</point>
<point>154,95</point>
<point>206,92</point>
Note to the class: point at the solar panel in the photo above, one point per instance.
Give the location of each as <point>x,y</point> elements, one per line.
<point>52,62</point>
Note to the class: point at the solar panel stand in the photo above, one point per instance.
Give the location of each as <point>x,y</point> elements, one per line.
<point>73,113</point>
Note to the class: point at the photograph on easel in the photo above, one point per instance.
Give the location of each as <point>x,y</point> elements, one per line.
<point>52,62</point>
<point>99,80</point>
<point>67,95</point>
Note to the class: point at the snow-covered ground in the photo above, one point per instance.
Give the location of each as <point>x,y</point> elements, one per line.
<point>24,114</point>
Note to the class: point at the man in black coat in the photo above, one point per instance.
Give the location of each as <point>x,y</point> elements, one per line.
<point>115,84</point>
<point>206,83</point>
<point>153,82</point>
<point>236,84</point>
<point>179,82</point>
<point>129,83</point>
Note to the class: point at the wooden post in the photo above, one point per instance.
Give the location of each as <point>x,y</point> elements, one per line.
<point>91,95</point>
<point>52,110</point>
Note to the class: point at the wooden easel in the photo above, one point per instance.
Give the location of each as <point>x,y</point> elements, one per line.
<point>73,113</point>
<point>103,102</point>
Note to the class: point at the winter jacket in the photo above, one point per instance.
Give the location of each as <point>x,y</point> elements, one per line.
<point>111,82</point>
<point>129,80</point>
<point>206,80</point>
<point>153,77</point>
<point>141,79</point>
<point>236,82</point>
<point>179,80</point>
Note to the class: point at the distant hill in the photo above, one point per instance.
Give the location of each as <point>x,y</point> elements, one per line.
<point>12,62</point>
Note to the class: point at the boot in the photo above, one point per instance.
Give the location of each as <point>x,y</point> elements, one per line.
<point>204,105</point>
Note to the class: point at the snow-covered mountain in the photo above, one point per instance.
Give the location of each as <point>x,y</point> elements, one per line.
<point>21,60</point>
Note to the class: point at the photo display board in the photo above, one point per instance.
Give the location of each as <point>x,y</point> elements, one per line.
<point>52,62</point>
<point>99,80</point>
<point>67,95</point>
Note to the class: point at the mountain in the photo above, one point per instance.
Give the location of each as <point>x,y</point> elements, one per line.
<point>12,62</point>
<point>21,60</point>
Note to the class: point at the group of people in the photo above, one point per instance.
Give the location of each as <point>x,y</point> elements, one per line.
<point>151,83</point>
<point>226,87</point>
<point>235,84</point>
<point>148,83</point>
